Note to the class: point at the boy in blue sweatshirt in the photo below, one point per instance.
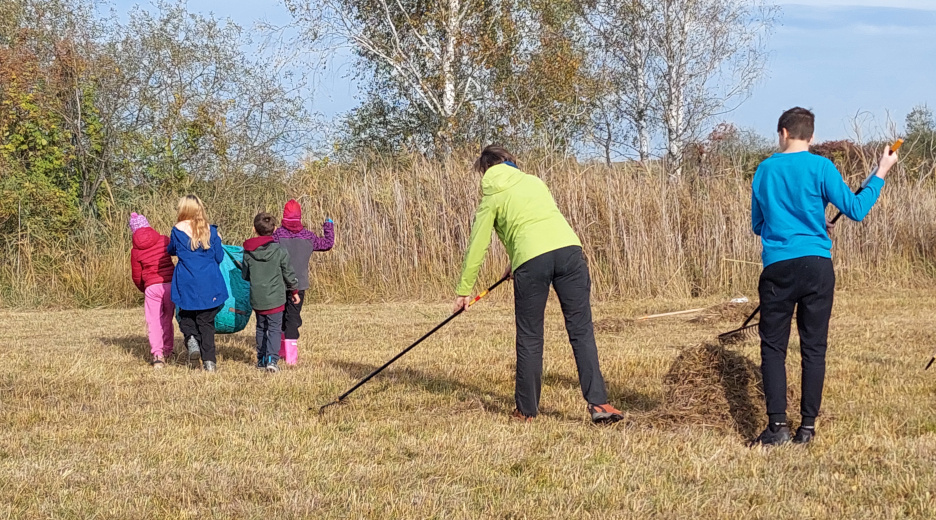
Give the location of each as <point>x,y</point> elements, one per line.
<point>790,192</point>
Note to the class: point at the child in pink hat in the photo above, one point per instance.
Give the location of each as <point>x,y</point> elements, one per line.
<point>300,243</point>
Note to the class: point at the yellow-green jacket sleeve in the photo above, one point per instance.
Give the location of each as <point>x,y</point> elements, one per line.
<point>478,245</point>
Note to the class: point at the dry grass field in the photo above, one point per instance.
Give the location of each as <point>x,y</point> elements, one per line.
<point>89,430</point>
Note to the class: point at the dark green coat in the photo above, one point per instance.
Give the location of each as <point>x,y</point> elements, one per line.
<point>266,267</point>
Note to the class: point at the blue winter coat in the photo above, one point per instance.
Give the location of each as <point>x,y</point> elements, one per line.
<point>197,283</point>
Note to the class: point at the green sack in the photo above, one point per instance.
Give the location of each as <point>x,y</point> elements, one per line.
<point>235,313</point>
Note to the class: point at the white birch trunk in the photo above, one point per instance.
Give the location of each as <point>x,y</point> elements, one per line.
<point>448,73</point>
<point>642,94</point>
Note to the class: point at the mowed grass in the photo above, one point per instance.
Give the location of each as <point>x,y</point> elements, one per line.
<point>89,430</point>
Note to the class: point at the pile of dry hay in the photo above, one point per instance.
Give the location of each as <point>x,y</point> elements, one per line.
<point>730,312</point>
<point>712,386</point>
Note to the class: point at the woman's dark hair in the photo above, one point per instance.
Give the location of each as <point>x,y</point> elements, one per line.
<point>492,155</point>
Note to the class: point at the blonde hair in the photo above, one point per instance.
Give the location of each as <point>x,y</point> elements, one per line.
<point>191,208</point>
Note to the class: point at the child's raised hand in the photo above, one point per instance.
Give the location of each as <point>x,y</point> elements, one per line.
<point>888,160</point>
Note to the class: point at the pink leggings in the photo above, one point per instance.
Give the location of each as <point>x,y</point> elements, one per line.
<point>159,310</point>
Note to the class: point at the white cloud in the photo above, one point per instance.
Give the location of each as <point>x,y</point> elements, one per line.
<point>928,5</point>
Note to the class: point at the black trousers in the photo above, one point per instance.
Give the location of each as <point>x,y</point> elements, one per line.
<point>292,316</point>
<point>808,285</point>
<point>565,269</point>
<point>200,325</point>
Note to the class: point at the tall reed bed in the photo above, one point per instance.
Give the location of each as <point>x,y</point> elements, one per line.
<point>402,227</point>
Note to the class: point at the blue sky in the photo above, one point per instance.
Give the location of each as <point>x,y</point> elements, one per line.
<point>840,59</point>
<point>845,59</point>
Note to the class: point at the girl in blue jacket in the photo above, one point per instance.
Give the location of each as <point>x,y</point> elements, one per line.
<point>198,288</point>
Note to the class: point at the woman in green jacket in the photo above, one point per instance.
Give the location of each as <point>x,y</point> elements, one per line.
<point>544,251</point>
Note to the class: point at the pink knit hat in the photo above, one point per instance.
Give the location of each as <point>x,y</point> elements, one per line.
<point>292,216</point>
<point>137,222</point>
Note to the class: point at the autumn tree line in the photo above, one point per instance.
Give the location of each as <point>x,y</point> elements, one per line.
<point>103,113</point>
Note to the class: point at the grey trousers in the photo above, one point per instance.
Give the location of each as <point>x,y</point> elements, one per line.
<point>269,331</point>
<point>565,269</point>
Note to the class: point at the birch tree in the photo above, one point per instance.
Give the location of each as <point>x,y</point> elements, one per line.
<point>708,56</point>
<point>672,65</point>
<point>430,53</point>
<point>621,32</point>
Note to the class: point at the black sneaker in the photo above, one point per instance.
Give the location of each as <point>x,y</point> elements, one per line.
<point>804,435</point>
<point>261,363</point>
<point>272,366</point>
<point>210,366</point>
<point>774,435</point>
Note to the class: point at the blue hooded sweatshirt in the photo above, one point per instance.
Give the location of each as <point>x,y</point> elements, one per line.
<point>788,202</point>
<point>197,283</point>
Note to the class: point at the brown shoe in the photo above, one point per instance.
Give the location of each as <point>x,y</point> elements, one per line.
<point>604,414</point>
<point>517,415</point>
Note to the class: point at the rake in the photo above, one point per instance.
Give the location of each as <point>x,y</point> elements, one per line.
<point>361,383</point>
<point>747,330</point>
<point>750,330</point>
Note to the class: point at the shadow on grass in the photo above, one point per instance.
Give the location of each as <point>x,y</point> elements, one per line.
<point>138,346</point>
<point>624,399</point>
<point>738,375</point>
<point>491,402</point>
<point>227,348</point>
<point>240,349</point>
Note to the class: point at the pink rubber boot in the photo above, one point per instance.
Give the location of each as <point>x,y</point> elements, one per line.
<point>290,352</point>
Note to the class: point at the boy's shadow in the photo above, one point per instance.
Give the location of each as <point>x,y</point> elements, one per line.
<point>227,347</point>
<point>736,375</point>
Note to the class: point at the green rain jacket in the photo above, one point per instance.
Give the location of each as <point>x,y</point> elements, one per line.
<point>524,214</point>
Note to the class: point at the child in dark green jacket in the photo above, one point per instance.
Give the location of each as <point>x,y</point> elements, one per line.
<point>266,266</point>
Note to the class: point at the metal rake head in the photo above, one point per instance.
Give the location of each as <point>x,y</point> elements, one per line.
<point>321,410</point>
<point>738,335</point>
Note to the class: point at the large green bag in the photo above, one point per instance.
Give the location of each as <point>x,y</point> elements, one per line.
<point>235,313</point>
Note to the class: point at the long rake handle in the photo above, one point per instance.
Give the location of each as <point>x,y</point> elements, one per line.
<point>894,147</point>
<point>411,347</point>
